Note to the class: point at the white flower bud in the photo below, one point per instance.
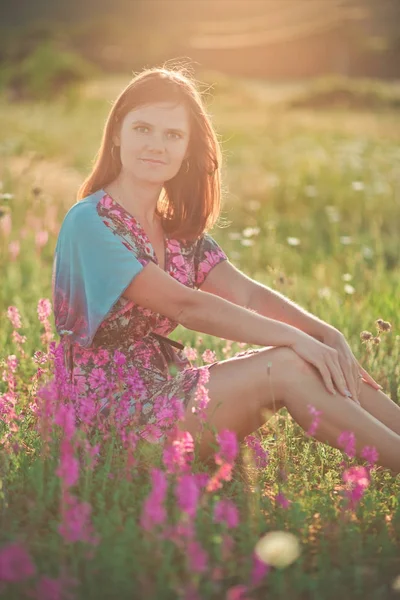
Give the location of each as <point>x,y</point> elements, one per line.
<point>278,549</point>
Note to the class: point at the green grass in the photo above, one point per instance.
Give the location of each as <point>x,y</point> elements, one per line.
<point>331,181</point>
<point>342,92</point>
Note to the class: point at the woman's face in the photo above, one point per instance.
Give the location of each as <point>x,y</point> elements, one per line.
<point>155,132</point>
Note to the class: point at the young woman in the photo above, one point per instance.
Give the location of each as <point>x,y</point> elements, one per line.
<point>134,259</point>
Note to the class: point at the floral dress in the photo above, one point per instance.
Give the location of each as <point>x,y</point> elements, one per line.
<point>109,342</point>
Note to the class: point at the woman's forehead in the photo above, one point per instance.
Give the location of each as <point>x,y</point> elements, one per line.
<point>161,113</point>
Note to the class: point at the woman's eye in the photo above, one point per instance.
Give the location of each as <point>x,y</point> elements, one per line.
<point>144,129</point>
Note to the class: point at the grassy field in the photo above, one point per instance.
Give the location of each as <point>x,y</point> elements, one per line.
<point>312,209</point>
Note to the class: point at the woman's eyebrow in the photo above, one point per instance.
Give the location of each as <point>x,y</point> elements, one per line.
<point>176,129</point>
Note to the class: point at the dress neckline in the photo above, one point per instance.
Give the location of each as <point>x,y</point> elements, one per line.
<point>139,225</point>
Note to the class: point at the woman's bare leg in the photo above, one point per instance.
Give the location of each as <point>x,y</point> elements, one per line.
<point>381,407</point>
<point>240,398</point>
<point>377,404</point>
<point>340,413</point>
<point>240,390</point>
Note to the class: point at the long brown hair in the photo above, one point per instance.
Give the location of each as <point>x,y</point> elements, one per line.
<point>191,201</point>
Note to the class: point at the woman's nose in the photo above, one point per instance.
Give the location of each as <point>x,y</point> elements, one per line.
<point>156,142</point>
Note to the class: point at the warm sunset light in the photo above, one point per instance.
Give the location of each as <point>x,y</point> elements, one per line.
<point>200,267</point>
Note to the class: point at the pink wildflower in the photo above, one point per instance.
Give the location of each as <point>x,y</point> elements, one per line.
<point>168,411</point>
<point>201,395</point>
<point>202,479</point>
<point>40,358</point>
<point>316,414</point>
<point>12,363</point>
<point>190,353</point>
<point>178,454</point>
<point>259,570</point>
<point>347,441</point>
<point>154,512</point>
<point>357,475</point>
<point>209,356</point>
<point>41,239</point>
<point>225,511</point>
<point>282,501</point>
<point>18,338</point>
<point>151,433</point>
<point>44,309</point>
<point>180,533</point>
<point>49,589</point>
<point>14,316</point>
<point>14,249</point>
<point>65,418</point>
<point>370,453</point>
<point>237,592</point>
<point>15,563</point>
<point>55,589</point>
<point>197,557</point>
<point>224,473</point>
<point>229,447</point>
<point>75,525</point>
<point>68,469</point>
<point>227,348</point>
<point>187,494</point>
<point>91,453</point>
<point>261,456</point>
<point>6,225</point>
<point>357,479</point>
<point>87,409</point>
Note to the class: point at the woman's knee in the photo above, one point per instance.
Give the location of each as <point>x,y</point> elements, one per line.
<point>287,369</point>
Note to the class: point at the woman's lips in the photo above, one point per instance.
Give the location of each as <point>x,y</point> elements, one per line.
<point>152,161</point>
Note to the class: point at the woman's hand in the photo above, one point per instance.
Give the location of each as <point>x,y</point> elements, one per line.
<point>326,360</point>
<point>353,371</point>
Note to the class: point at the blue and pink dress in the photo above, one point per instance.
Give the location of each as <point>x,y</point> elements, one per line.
<point>101,247</point>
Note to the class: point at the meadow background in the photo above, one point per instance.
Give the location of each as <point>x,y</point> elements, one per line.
<point>311,208</point>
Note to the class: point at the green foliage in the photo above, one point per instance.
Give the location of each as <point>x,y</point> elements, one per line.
<point>345,93</point>
<point>45,73</point>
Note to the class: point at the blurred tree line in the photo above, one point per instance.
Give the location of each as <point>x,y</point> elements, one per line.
<point>44,45</point>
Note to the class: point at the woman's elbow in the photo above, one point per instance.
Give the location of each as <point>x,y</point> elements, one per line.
<point>188,312</point>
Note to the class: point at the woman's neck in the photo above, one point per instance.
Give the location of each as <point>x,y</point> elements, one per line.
<point>138,198</point>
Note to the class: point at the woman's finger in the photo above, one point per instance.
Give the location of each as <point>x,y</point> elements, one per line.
<point>346,389</point>
<point>326,376</point>
<point>359,383</point>
<point>355,379</point>
<point>351,380</point>
<point>369,379</point>
<point>337,374</point>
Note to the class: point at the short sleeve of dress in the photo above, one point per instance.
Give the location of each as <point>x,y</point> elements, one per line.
<point>208,254</point>
<point>92,267</point>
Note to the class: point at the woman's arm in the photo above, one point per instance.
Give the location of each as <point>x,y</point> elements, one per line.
<point>204,312</point>
<point>228,282</point>
<point>207,313</point>
<point>275,305</point>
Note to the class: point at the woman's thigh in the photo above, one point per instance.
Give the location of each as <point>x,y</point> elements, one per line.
<point>244,392</point>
